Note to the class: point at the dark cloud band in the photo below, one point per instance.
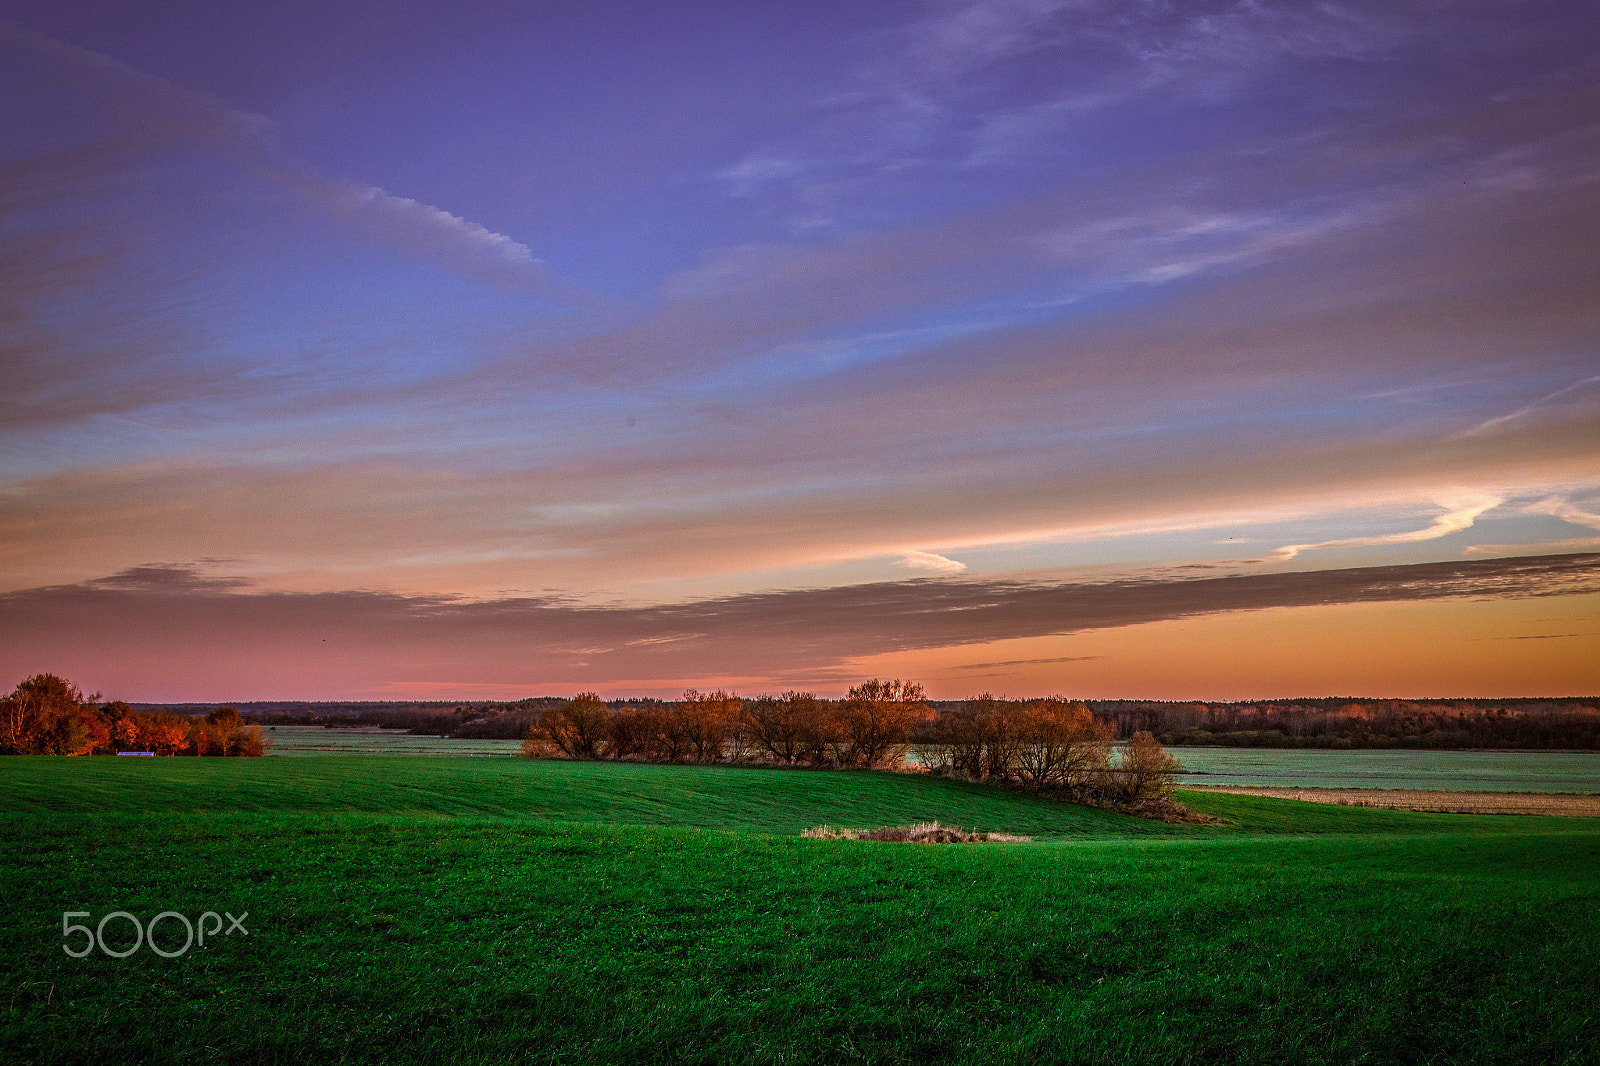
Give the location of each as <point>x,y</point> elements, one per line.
<point>215,628</point>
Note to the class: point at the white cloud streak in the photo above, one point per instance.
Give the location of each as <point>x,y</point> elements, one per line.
<point>1462,512</point>
<point>1494,424</point>
<point>936,564</point>
<point>165,113</point>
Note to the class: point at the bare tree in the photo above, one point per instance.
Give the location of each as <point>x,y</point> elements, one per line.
<point>783,727</point>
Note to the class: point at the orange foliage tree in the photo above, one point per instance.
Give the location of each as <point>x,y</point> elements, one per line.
<point>876,718</point>
<point>580,729</point>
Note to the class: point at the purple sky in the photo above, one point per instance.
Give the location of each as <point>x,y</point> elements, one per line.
<point>385,350</point>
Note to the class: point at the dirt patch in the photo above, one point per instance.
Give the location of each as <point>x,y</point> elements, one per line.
<point>1567,804</point>
<point>921,833</point>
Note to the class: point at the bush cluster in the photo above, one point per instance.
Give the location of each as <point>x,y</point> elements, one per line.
<point>47,715</point>
<point>1048,743</point>
<point>1045,744</point>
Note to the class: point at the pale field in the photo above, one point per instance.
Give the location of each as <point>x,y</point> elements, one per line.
<point>300,740</point>
<point>1411,799</point>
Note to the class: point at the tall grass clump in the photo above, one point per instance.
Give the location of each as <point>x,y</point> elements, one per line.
<point>918,833</point>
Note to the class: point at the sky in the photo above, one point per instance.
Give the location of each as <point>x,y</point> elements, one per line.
<point>1116,349</point>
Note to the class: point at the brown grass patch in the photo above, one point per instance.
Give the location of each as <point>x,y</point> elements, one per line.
<point>1571,805</point>
<point>920,833</point>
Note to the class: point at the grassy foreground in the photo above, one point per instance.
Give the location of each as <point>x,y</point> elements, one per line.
<point>484,911</point>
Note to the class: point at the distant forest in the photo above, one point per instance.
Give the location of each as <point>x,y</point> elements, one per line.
<point>1342,722</point>
<point>1540,725</point>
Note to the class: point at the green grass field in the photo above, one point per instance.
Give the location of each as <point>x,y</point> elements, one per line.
<point>1489,771</point>
<point>478,910</point>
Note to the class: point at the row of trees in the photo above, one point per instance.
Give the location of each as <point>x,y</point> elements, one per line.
<point>1046,744</point>
<point>870,727</point>
<point>48,715</point>
<point>1332,723</point>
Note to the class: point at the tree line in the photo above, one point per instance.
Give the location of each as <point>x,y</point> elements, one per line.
<point>1350,724</point>
<point>48,715</point>
<point>1046,744</point>
<point>1340,723</point>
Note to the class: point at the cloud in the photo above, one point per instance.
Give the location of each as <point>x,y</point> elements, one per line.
<point>158,629</point>
<point>938,564</point>
<point>169,114</point>
<point>1559,507</point>
<point>1462,512</point>
<point>1542,547</point>
<point>1490,425</point>
<point>66,244</point>
<point>1310,286</point>
<point>166,579</point>
<point>988,82</point>
<point>1562,508</point>
<point>417,227</point>
<point>1030,662</point>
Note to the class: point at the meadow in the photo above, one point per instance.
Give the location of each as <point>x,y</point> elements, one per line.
<point>303,740</point>
<point>503,910</point>
<point>1471,771</point>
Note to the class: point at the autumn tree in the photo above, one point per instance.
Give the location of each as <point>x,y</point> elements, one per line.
<point>1061,744</point>
<point>221,730</point>
<point>710,721</point>
<point>876,718</point>
<point>632,730</point>
<point>979,738</point>
<point>580,729</point>
<point>41,716</point>
<point>665,733</point>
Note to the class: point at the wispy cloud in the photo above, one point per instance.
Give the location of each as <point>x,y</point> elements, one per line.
<point>985,82</point>
<point>1561,507</point>
<point>1030,662</point>
<point>938,564</point>
<point>1463,511</point>
<point>1493,424</point>
<point>167,113</point>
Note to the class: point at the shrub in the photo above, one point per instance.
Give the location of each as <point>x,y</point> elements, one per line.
<point>1146,769</point>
